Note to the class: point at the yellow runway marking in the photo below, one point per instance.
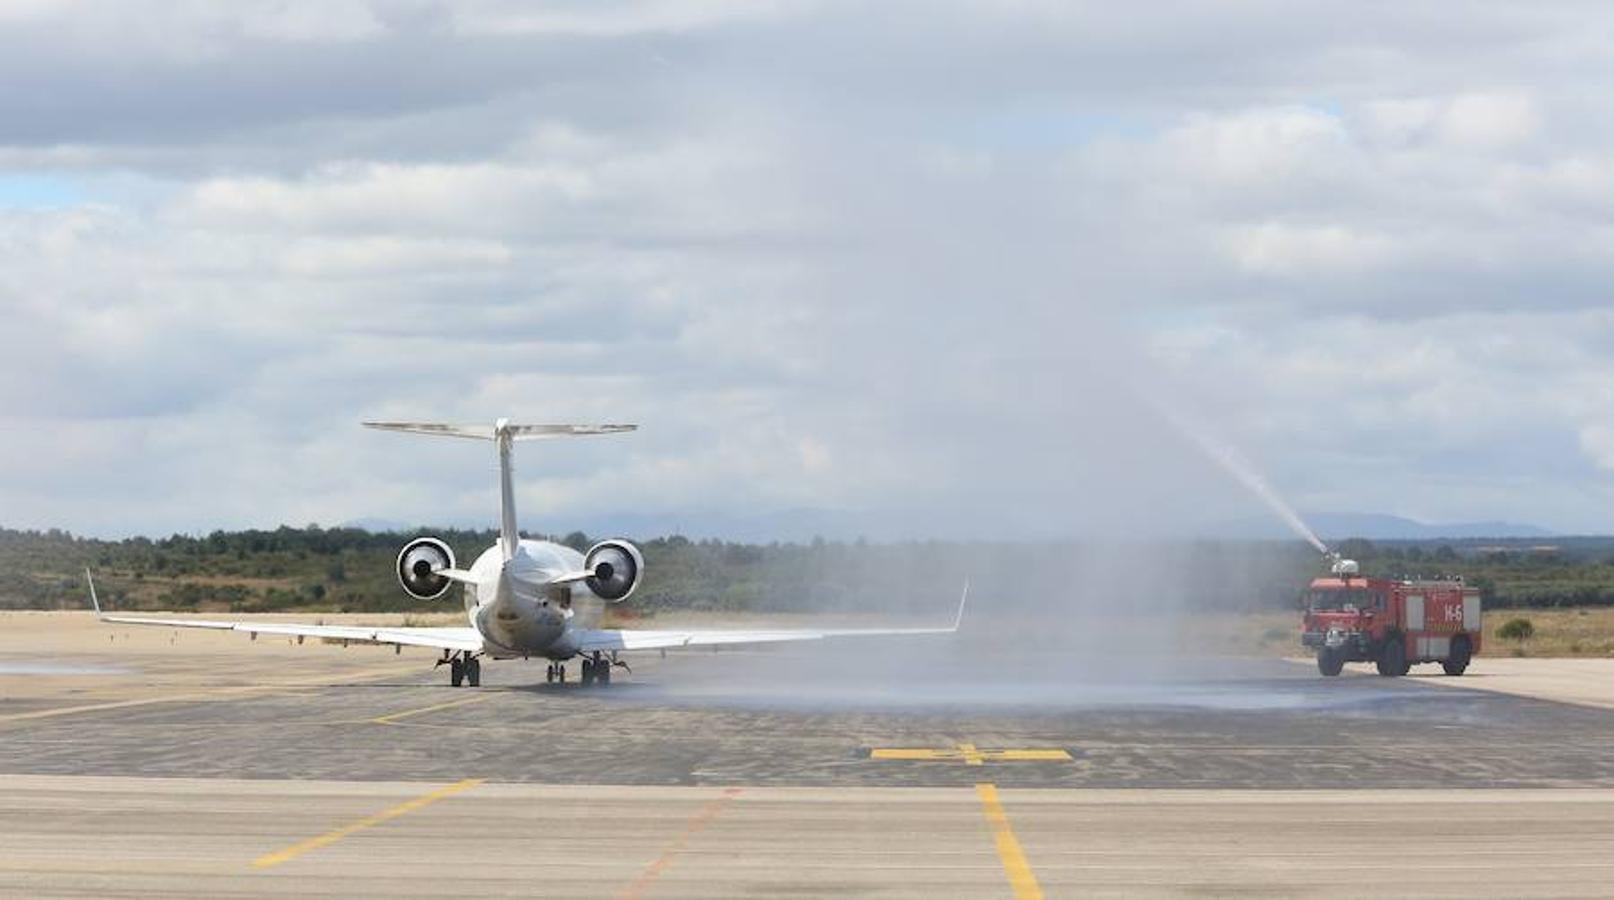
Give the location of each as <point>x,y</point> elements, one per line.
<point>331,837</point>
<point>694,826</point>
<point>390,718</point>
<point>212,694</point>
<point>969,755</point>
<point>1014,859</point>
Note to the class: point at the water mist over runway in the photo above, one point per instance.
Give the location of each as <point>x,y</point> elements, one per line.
<point>918,680</point>
<point>1047,626</point>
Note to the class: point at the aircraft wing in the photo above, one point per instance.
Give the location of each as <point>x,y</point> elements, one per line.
<point>442,638</point>
<point>589,640</point>
<point>464,638</point>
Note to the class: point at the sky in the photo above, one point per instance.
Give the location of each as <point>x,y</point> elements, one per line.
<point>958,268</point>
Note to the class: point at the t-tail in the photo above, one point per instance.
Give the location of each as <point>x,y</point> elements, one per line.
<point>503,433</point>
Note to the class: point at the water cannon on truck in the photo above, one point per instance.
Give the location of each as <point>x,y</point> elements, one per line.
<point>1390,622</point>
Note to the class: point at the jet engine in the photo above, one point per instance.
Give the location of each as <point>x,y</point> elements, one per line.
<point>419,563</point>
<point>614,568</point>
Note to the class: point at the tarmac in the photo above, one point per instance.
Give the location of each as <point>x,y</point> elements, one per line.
<point>150,763</point>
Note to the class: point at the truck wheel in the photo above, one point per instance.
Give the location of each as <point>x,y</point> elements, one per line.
<point>1462,653</point>
<point>1393,656</point>
<point>1330,662</point>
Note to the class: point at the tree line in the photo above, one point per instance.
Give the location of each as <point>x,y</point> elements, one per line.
<point>351,570</point>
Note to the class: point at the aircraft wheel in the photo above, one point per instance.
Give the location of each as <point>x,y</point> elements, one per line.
<point>473,672</point>
<point>549,674</point>
<point>560,673</point>
<point>602,672</point>
<point>588,672</point>
<point>456,672</point>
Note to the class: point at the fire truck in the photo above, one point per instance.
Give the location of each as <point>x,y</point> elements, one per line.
<point>1390,622</point>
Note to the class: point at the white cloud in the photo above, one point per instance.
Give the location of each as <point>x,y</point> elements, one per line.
<point>1490,120</point>
<point>1465,121</point>
<point>1280,248</point>
<point>1598,443</point>
<point>1251,148</point>
<point>921,262</point>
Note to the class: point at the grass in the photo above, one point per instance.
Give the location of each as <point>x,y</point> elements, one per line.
<point>1584,632</point>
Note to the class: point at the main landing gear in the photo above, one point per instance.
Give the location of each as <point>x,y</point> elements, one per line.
<point>597,668</point>
<point>463,667</point>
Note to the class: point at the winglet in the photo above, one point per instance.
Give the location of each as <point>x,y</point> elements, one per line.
<point>962,599</point>
<point>94,600</point>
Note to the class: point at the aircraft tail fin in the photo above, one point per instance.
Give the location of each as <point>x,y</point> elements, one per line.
<point>502,432</point>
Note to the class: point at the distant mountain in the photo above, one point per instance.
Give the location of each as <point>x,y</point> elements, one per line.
<point>791,525</point>
<point>802,525</point>
<point>1377,526</point>
<point>805,524</point>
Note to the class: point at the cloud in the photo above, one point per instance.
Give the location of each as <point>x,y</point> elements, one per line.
<point>1277,248</point>
<point>921,261</point>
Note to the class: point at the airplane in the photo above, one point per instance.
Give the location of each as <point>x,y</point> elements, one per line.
<point>524,598</point>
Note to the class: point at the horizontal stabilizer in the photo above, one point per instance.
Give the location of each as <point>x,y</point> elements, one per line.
<point>489,432</point>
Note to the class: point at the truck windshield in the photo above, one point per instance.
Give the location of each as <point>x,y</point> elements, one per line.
<point>1339,598</point>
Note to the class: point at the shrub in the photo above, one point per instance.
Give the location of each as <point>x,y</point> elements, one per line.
<point>1516,630</point>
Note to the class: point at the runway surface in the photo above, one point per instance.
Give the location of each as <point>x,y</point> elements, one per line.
<point>92,837</point>
<point>1262,725</point>
<point>213,767</point>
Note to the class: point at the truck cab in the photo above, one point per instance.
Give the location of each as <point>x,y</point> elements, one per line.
<point>1392,623</point>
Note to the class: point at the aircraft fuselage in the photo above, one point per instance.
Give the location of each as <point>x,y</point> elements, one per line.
<point>519,609</point>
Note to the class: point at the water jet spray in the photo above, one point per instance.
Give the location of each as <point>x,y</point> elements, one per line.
<point>1234,464</point>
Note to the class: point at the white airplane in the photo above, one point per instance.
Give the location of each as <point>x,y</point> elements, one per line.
<point>524,598</point>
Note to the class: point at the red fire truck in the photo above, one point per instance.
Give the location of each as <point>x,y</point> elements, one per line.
<point>1391,623</point>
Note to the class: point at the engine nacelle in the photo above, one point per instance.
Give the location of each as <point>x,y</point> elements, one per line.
<point>419,563</point>
<point>615,568</point>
